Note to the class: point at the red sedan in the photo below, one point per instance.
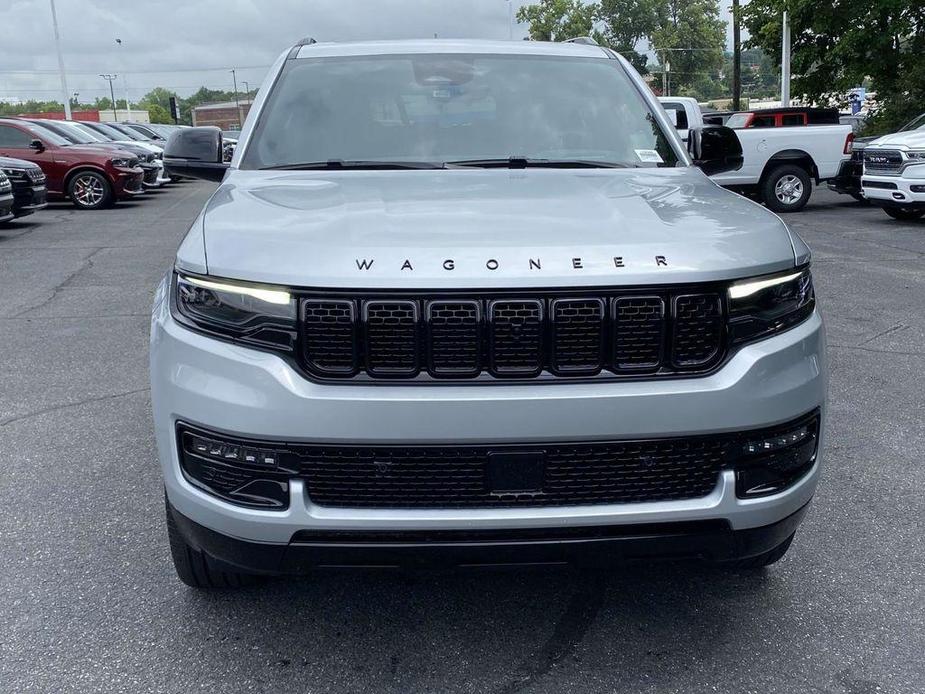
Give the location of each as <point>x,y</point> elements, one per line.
<point>89,176</point>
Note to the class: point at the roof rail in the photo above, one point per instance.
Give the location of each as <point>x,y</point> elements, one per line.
<point>294,51</point>
<point>584,40</point>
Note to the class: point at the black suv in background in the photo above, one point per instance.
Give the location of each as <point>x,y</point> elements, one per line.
<point>28,183</point>
<point>6,199</point>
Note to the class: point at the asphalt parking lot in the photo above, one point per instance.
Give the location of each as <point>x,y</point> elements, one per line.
<point>89,601</point>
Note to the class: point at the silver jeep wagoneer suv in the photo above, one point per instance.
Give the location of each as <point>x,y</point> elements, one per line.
<point>461,302</point>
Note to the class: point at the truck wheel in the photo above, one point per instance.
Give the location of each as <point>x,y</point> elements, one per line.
<point>787,189</point>
<point>89,190</point>
<point>194,568</point>
<point>770,557</point>
<point>905,214</point>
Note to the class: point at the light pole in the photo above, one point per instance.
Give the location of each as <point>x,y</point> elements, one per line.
<point>736,58</point>
<point>236,102</point>
<point>64,91</point>
<point>112,95</point>
<point>510,20</point>
<point>785,62</point>
<point>128,104</point>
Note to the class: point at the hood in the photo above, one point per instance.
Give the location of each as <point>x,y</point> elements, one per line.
<point>484,228</point>
<point>913,139</point>
<point>10,163</point>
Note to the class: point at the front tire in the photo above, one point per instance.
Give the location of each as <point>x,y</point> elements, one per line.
<point>195,569</point>
<point>787,189</point>
<point>89,190</point>
<point>904,214</point>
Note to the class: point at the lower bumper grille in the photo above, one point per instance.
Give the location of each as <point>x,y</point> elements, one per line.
<point>455,477</point>
<point>497,476</point>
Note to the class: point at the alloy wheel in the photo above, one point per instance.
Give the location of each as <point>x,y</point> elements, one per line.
<point>89,190</point>
<point>789,189</point>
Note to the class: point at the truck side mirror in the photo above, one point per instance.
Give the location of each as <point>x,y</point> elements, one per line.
<point>37,145</point>
<point>715,149</point>
<point>196,153</point>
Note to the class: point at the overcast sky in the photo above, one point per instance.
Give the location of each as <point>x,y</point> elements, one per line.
<point>184,44</point>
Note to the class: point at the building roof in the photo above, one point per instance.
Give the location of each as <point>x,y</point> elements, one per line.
<point>222,105</point>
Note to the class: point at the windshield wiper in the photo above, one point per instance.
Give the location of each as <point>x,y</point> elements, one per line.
<point>336,164</point>
<point>524,162</point>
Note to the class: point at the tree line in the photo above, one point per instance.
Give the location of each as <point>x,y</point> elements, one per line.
<point>156,103</point>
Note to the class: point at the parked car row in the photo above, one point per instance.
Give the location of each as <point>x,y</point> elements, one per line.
<point>91,164</point>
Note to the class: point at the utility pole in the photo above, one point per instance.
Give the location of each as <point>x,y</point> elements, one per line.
<point>128,104</point>
<point>785,62</point>
<point>112,95</point>
<point>736,59</point>
<point>510,20</point>
<point>236,102</point>
<point>64,90</point>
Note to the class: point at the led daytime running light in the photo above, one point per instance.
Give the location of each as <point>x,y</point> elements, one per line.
<point>740,291</point>
<point>271,296</point>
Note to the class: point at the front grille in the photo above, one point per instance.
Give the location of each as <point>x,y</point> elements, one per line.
<point>452,476</point>
<point>532,335</point>
<point>36,176</point>
<point>884,160</point>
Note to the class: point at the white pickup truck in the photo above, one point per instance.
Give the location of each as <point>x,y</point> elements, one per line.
<point>894,172</point>
<point>780,163</point>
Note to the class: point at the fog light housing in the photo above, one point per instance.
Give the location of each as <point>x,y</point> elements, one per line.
<point>769,463</point>
<point>237,471</point>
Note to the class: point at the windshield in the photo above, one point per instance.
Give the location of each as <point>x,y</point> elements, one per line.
<point>440,108</point>
<point>89,132</point>
<point>47,135</point>
<point>128,133</point>
<point>109,132</point>
<point>71,133</point>
<point>915,124</point>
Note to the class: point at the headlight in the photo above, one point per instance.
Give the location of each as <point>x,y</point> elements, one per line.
<point>916,155</point>
<point>253,314</point>
<point>123,163</point>
<point>767,305</point>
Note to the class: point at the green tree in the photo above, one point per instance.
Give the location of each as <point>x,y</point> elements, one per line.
<point>626,23</point>
<point>837,45</point>
<point>560,20</point>
<point>690,37</point>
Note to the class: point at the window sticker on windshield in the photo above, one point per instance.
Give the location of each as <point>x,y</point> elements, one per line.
<point>649,156</point>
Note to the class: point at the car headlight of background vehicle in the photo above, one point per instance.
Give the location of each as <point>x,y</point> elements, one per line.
<point>766,305</point>
<point>122,163</point>
<point>248,313</point>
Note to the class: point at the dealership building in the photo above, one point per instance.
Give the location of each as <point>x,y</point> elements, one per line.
<point>227,115</point>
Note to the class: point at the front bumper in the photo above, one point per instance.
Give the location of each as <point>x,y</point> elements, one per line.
<point>6,207</point>
<point>907,190</point>
<point>239,391</point>
<point>29,199</point>
<point>129,184</point>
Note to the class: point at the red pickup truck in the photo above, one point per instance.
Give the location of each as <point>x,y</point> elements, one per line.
<point>89,176</point>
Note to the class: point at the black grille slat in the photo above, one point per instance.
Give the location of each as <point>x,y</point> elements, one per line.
<point>392,329</point>
<point>454,338</point>
<point>516,331</point>
<point>612,333</point>
<point>455,477</point>
<point>329,336</point>
<point>577,335</point>
<point>639,332</point>
<point>698,330</point>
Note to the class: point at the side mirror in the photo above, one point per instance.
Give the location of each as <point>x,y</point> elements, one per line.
<point>37,145</point>
<point>715,149</point>
<point>196,153</point>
